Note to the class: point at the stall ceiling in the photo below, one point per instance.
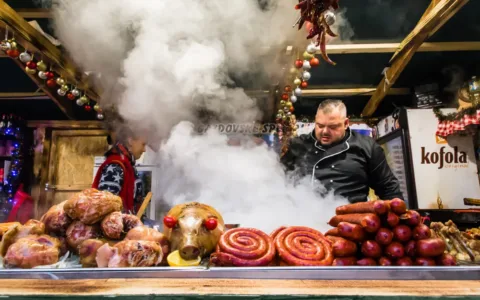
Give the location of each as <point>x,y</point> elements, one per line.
<point>370,21</point>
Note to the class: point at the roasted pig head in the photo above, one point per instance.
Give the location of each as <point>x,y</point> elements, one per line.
<point>194,229</point>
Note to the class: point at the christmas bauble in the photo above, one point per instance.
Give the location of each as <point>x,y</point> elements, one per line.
<point>5,45</point>
<point>288,104</point>
<point>84,99</point>
<point>330,17</point>
<point>293,98</point>
<point>298,92</point>
<point>88,107</point>
<point>64,88</point>
<point>25,57</point>
<point>280,112</point>
<point>80,102</point>
<point>13,44</point>
<point>282,103</point>
<point>297,81</point>
<point>30,71</point>
<point>60,81</point>
<point>292,109</point>
<point>285,96</point>
<point>76,92</point>
<point>50,75</point>
<point>314,62</point>
<point>279,116</point>
<point>312,49</point>
<point>306,76</point>
<point>42,75</point>
<point>293,70</point>
<point>307,55</point>
<point>284,118</point>
<point>70,96</point>
<point>61,92</point>
<point>13,53</point>
<point>304,85</point>
<point>306,65</point>
<point>298,63</point>
<point>97,108</point>
<point>51,83</point>
<point>41,66</point>
<point>32,65</point>
<point>287,88</point>
<point>100,116</point>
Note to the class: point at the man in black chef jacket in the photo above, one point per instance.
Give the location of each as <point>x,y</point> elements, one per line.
<point>341,159</point>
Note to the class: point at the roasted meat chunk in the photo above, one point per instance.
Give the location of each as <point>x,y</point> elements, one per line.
<point>129,254</point>
<point>91,205</point>
<point>31,251</point>
<point>78,232</point>
<point>56,220</point>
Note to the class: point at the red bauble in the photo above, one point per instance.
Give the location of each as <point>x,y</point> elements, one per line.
<point>70,96</point>
<point>314,62</point>
<point>211,223</point>
<point>287,88</point>
<point>88,107</point>
<point>304,84</point>
<point>51,83</point>
<point>298,63</point>
<point>285,96</point>
<point>50,75</point>
<point>13,53</point>
<point>292,109</point>
<point>32,65</point>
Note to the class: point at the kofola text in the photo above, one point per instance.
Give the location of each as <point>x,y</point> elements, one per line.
<point>442,157</point>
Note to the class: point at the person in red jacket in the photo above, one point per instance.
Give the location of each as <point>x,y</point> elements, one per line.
<point>118,174</point>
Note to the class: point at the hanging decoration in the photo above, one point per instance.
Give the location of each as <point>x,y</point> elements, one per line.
<point>53,81</point>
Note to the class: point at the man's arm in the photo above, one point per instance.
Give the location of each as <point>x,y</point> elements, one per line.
<point>111,179</point>
<point>381,178</point>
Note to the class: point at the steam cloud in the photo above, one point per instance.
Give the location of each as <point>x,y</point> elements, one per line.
<point>160,62</point>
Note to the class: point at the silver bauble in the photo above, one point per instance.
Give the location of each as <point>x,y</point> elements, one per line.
<point>79,102</point>
<point>5,46</point>
<point>293,99</point>
<point>25,57</point>
<point>298,92</point>
<point>42,75</point>
<point>311,49</point>
<point>306,65</point>
<point>75,92</point>
<point>306,76</point>
<point>61,92</point>
<point>330,18</point>
<point>100,116</point>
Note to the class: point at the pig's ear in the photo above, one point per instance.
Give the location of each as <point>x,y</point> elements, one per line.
<point>169,221</point>
<point>211,223</point>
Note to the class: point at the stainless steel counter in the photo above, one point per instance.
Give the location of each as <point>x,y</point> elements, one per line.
<point>300,273</point>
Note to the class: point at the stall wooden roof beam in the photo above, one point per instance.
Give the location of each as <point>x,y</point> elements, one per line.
<point>437,14</point>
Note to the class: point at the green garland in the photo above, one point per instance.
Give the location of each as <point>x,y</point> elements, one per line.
<point>455,116</point>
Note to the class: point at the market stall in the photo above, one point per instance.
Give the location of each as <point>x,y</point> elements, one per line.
<point>79,241</point>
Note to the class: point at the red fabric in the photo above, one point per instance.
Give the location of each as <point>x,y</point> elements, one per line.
<point>22,211</point>
<point>466,125</point>
<point>128,187</point>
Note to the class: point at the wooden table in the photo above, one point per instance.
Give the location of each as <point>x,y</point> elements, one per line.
<point>153,288</point>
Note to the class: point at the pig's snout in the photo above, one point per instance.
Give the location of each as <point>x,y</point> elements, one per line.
<point>189,252</point>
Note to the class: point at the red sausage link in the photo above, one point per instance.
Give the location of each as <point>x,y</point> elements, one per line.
<point>351,231</point>
<point>431,247</point>
<point>392,219</point>
<point>304,246</point>
<point>370,222</point>
<point>385,261</point>
<point>345,261</point>
<point>332,232</point>
<point>367,261</point>
<point>244,247</point>
<point>398,206</point>
<point>377,207</point>
<point>274,233</point>
<point>342,247</point>
<point>384,236</point>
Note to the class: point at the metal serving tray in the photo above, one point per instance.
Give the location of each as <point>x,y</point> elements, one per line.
<point>300,273</point>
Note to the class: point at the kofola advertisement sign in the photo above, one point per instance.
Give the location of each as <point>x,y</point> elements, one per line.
<point>444,168</point>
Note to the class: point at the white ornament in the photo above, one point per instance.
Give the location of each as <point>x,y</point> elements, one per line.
<point>25,57</point>
<point>306,76</point>
<point>61,92</point>
<point>42,75</point>
<point>306,65</point>
<point>100,116</point>
<point>330,18</point>
<point>5,46</point>
<point>312,49</point>
<point>298,92</point>
<point>293,98</point>
<point>79,102</point>
<point>75,92</point>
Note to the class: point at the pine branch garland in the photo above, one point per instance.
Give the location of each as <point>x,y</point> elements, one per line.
<point>455,116</point>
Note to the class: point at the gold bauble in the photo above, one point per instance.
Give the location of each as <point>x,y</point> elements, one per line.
<point>284,118</point>
<point>83,99</point>
<point>13,45</point>
<point>280,111</point>
<point>96,107</point>
<point>41,66</point>
<point>282,103</point>
<point>60,81</point>
<point>30,71</point>
<point>64,87</point>
<point>297,81</point>
<point>308,56</point>
<point>288,104</point>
